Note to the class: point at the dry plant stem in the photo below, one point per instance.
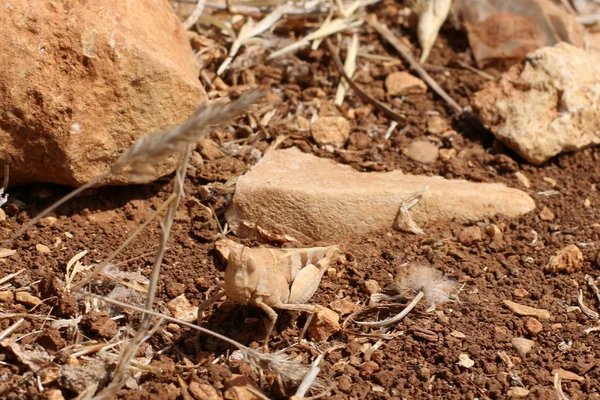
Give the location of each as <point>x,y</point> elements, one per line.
<point>130,239</point>
<point>309,378</point>
<point>560,395</point>
<point>388,112</point>
<point>142,333</point>
<point>592,284</point>
<point>395,319</point>
<point>585,309</point>
<point>193,17</point>
<point>10,329</point>
<point>414,64</point>
<point>9,277</point>
<point>54,206</point>
<point>249,354</point>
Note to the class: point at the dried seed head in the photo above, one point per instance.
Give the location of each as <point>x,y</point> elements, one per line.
<point>436,288</point>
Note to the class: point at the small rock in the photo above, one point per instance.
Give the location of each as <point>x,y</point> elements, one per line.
<point>446,154</point>
<point>202,391</point>
<point>368,369</point>
<point>51,339</point>
<point>522,345</point>
<point>100,324</point>
<point>325,323</point>
<point>424,374</point>
<point>520,292</point>
<point>567,375</point>
<point>556,327</point>
<point>238,389</point>
<point>546,214</point>
<point>286,188</point>
<point>533,326</point>
<point>331,273</point>
<point>372,286</point>
<point>344,307</point>
<point>458,334</point>
<point>518,392</point>
<point>465,361</point>
<point>48,221</point>
<point>6,295</point>
<point>2,215</point>
<point>27,299</point>
<point>42,248</point>
<point>568,259</point>
<point>521,177</point>
<point>182,309</point>
<point>493,231</point>
<point>209,150</point>
<point>403,83</point>
<point>423,151</point>
<point>54,394</point>
<point>437,125</point>
<point>331,130</point>
<point>550,181</point>
<point>522,111</point>
<point>526,311</point>
<point>470,235</point>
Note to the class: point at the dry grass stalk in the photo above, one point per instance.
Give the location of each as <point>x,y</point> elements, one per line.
<point>278,363</point>
<point>420,282</point>
<point>560,395</point>
<point>193,17</point>
<point>8,331</point>
<point>585,309</point>
<point>349,69</point>
<point>388,112</point>
<point>405,52</point>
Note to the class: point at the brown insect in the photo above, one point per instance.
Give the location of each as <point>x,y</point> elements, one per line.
<point>283,279</point>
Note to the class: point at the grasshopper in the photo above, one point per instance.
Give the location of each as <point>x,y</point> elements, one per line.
<point>283,279</point>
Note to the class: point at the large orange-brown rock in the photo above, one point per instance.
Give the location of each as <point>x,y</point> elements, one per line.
<point>81,80</point>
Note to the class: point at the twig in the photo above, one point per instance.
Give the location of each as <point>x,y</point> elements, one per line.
<point>592,284</point>
<point>10,329</point>
<point>193,17</point>
<point>585,309</point>
<point>388,112</point>
<point>9,277</point>
<point>250,355</point>
<point>405,52</point>
<point>560,395</point>
<point>396,318</point>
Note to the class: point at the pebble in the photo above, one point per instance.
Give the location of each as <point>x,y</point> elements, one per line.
<point>437,125</point>
<point>42,248</point>
<point>446,154</point>
<point>465,361</point>
<point>368,368</point>
<point>546,214</point>
<point>568,259</point>
<point>209,150</point>
<point>202,391</point>
<point>526,311</point>
<point>401,83</point>
<point>533,326</point>
<point>343,306</point>
<point>54,394</point>
<point>325,323</point>
<point>48,221</point>
<point>2,215</point>
<point>521,177</point>
<point>331,130</point>
<point>470,235</point>
<point>6,295</point>
<point>424,374</point>
<point>522,345</point>
<point>567,375</point>
<point>518,392</point>
<point>423,151</point>
<point>520,292</point>
<point>7,252</point>
<point>182,309</point>
<point>27,299</point>
<point>372,286</point>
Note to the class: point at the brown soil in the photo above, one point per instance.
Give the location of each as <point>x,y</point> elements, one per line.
<point>421,362</point>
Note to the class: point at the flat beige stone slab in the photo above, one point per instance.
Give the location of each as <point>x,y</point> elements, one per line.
<point>290,195</point>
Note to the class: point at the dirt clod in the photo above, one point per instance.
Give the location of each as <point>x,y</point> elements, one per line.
<point>201,391</point>
<point>331,130</point>
<point>99,323</point>
<point>533,326</point>
<point>470,235</point>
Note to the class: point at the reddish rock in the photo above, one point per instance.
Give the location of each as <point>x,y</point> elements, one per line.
<point>81,80</point>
